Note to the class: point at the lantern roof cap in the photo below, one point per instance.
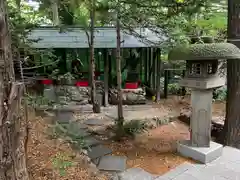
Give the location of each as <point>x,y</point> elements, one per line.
<point>209,51</point>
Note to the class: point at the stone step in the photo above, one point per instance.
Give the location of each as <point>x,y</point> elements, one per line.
<point>98,151</point>
<point>112,163</point>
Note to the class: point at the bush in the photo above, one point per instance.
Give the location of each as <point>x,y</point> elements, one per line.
<point>129,129</point>
<point>174,88</point>
<point>220,93</point>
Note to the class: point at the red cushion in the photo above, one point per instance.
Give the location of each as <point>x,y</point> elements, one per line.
<point>82,84</point>
<point>133,85</point>
<point>47,81</point>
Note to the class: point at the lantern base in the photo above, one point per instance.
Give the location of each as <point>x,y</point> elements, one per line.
<point>201,154</point>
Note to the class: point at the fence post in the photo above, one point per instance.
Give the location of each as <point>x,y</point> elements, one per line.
<point>166,76</point>
<point>183,88</point>
<point>158,74</point>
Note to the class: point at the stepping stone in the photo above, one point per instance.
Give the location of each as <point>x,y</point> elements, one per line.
<point>75,129</point>
<point>96,161</point>
<point>90,141</point>
<point>98,151</point>
<point>82,126</point>
<point>95,122</point>
<point>136,174</point>
<point>113,176</point>
<point>78,124</point>
<point>81,133</point>
<point>64,117</point>
<point>112,163</point>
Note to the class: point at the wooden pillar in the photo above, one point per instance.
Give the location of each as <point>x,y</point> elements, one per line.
<point>166,78</point>
<point>106,72</point>
<point>110,68</point>
<point>158,83</point>
<point>149,66</point>
<point>145,64</point>
<point>183,88</point>
<point>97,63</point>
<point>141,58</point>
<point>154,70</point>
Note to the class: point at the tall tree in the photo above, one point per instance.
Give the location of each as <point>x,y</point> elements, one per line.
<point>231,133</point>
<point>12,154</point>
<point>119,74</point>
<point>96,108</point>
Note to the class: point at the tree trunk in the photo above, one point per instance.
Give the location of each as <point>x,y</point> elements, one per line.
<point>12,153</point>
<point>55,13</point>
<point>119,74</point>
<point>231,129</point>
<point>96,105</point>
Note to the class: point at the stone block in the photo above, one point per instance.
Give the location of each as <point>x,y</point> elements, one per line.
<point>98,151</point>
<point>112,163</point>
<point>201,154</point>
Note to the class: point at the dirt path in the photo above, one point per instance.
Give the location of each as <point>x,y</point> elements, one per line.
<point>155,151</point>
<point>46,156</point>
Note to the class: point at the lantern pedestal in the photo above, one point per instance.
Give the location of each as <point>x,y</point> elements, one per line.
<point>200,147</point>
<point>201,154</point>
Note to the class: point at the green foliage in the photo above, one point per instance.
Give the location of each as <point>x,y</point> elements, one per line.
<point>129,129</point>
<point>174,88</point>
<point>37,101</point>
<point>69,132</point>
<point>61,162</point>
<point>220,94</point>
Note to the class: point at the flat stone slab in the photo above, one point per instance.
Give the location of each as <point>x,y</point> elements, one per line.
<point>136,174</point>
<point>224,168</point>
<point>74,130</point>
<point>98,151</point>
<point>82,126</point>
<point>201,154</point>
<point>176,171</point>
<point>64,116</point>
<point>96,161</point>
<point>95,122</point>
<point>90,141</point>
<point>112,163</point>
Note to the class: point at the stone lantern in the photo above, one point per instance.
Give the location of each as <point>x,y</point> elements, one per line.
<point>202,75</point>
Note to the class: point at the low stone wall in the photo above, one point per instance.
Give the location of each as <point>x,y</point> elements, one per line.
<point>81,95</point>
<point>66,94</point>
<point>130,96</point>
